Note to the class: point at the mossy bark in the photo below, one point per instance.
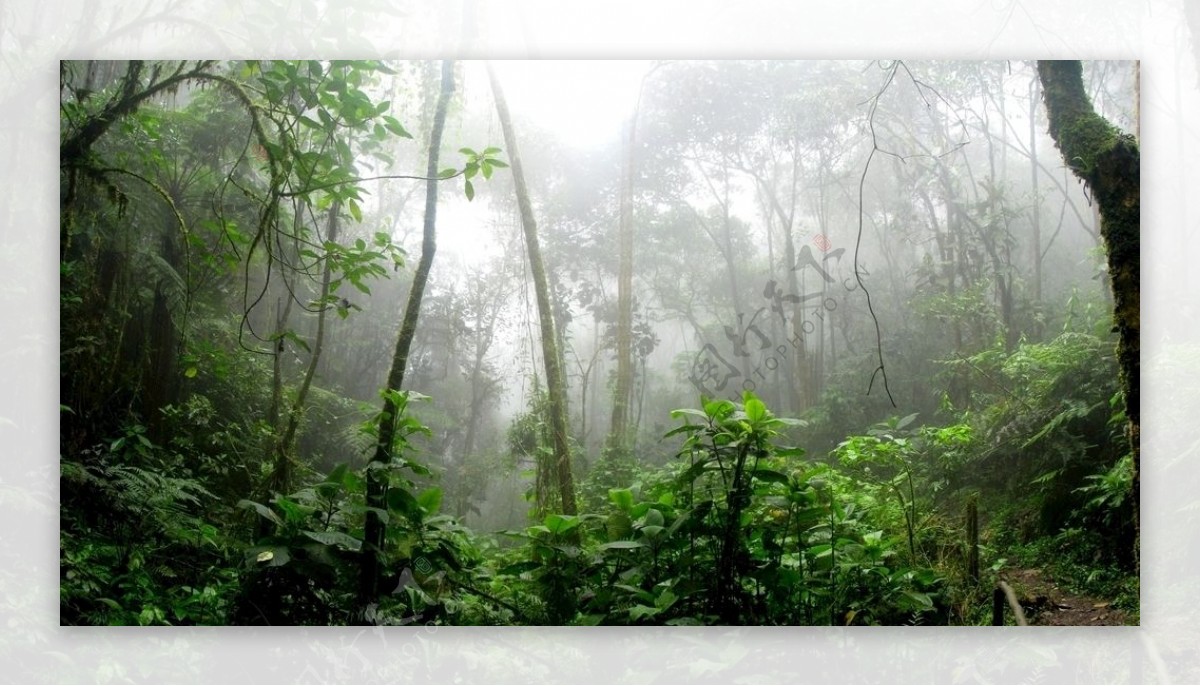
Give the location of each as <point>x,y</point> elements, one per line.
<point>1108,162</point>
<point>555,381</point>
<point>375,532</point>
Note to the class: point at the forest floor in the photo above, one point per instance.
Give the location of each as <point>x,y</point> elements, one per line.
<point>1047,604</point>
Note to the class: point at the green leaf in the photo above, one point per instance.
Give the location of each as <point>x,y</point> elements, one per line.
<point>402,501</point>
<point>270,555</point>
<point>190,372</point>
<point>262,510</point>
<point>293,512</point>
<point>621,497</point>
<point>430,500</point>
<point>756,410</point>
<point>338,474</point>
<point>641,611</point>
<point>110,602</point>
<point>621,545</point>
<point>653,518</point>
<point>394,126</point>
<point>677,414</point>
<point>920,601</point>
<point>469,190</point>
<point>335,538</point>
<point>559,524</point>
<point>356,212</point>
<point>770,476</point>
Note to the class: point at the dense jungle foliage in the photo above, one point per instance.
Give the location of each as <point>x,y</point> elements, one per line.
<point>806,318</point>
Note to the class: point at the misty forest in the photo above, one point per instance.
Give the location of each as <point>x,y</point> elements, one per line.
<point>599,343</point>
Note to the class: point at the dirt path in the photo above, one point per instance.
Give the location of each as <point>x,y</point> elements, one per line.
<point>1046,604</point>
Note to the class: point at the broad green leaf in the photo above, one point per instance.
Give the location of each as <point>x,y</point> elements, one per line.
<point>269,555</point>
<point>430,500</point>
<point>335,538</point>
<point>621,497</point>
<point>641,612</point>
<point>559,524</point>
<point>262,510</point>
<point>338,474</point>
<point>402,501</point>
<point>294,512</point>
<point>756,410</point>
<point>653,518</point>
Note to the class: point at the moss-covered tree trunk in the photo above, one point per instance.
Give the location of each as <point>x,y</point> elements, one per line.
<point>1108,162</point>
<point>555,382</point>
<point>374,531</point>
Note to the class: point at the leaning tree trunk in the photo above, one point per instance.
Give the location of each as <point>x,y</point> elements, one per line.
<point>374,533</point>
<point>554,376</point>
<point>1109,163</point>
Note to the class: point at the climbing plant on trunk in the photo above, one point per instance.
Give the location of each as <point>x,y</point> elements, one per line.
<point>561,460</point>
<point>377,479</point>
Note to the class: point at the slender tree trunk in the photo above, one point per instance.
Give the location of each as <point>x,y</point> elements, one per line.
<point>550,355</point>
<point>377,480</point>
<point>1109,163</point>
<point>1036,212</point>
<point>618,439</point>
<point>283,475</point>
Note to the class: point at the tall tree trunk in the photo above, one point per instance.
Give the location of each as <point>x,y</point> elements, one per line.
<point>377,480</point>
<point>1109,163</point>
<point>620,413</point>
<point>281,479</point>
<point>555,382</point>
<point>1036,212</point>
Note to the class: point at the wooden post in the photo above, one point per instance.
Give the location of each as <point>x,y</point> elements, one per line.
<point>997,607</point>
<point>973,540</point>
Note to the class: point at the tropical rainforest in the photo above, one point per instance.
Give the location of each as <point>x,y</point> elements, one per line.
<point>638,343</point>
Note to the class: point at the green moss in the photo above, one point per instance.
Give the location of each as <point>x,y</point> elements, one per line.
<point>1088,138</point>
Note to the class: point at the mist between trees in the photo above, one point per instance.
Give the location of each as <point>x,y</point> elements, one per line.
<point>680,342</point>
